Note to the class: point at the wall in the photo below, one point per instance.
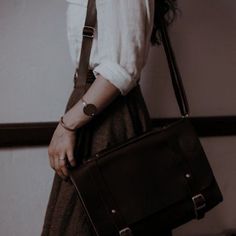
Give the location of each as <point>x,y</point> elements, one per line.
<point>36,71</point>
<point>35,61</point>
<point>203,39</point>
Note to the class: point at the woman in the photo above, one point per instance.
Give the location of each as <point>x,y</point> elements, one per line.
<point>120,48</point>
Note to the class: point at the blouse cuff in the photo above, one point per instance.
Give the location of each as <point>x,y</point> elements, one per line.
<point>117,75</point>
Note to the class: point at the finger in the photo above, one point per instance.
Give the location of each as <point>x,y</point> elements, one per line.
<point>71,158</point>
<point>51,159</point>
<point>62,164</point>
<point>58,168</point>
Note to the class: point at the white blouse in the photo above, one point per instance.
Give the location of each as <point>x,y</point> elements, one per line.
<point>122,38</point>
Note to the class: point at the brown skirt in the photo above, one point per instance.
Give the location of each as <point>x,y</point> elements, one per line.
<point>125,117</point>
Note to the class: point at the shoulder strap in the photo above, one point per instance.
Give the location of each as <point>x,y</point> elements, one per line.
<point>174,72</point>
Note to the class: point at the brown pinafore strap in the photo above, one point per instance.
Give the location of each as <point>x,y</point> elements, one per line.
<point>89,28</point>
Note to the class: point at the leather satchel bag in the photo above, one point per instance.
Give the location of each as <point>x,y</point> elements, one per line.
<point>150,183</point>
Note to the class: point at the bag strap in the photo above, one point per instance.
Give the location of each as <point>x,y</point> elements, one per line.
<point>174,72</point>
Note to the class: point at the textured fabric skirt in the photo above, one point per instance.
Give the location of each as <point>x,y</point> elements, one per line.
<point>125,117</point>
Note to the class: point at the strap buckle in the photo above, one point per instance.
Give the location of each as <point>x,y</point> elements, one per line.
<point>199,203</point>
<point>88,31</point>
<point>125,232</point>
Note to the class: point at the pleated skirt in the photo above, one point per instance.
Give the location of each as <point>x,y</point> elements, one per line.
<point>124,118</point>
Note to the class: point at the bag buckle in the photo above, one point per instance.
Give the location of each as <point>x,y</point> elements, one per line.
<point>199,203</point>
<point>126,232</point>
<point>88,31</point>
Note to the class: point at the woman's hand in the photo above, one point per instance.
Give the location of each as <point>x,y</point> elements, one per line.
<point>101,93</point>
<point>62,146</point>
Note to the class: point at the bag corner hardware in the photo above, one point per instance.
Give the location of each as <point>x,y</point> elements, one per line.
<point>126,232</point>
<point>199,203</point>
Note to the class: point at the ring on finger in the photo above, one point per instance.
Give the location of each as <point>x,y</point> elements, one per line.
<point>62,158</point>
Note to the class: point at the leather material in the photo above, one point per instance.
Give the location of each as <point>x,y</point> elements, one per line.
<point>174,71</point>
<point>144,181</point>
<point>86,46</point>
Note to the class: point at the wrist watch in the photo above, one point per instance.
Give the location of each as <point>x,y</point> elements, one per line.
<point>89,109</point>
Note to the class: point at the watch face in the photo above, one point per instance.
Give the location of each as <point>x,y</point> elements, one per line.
<point>90,109</point>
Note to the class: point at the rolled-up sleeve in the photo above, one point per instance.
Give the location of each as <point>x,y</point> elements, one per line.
<point>124,30</point>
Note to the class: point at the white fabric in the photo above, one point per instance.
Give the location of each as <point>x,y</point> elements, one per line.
<point>122,39</point>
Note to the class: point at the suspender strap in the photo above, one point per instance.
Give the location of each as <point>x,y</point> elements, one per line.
<point>88,34</point>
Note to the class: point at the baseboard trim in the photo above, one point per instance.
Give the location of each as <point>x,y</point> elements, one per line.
<point>40,133</point>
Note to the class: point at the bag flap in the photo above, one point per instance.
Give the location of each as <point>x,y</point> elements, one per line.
<point>149,175</point>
